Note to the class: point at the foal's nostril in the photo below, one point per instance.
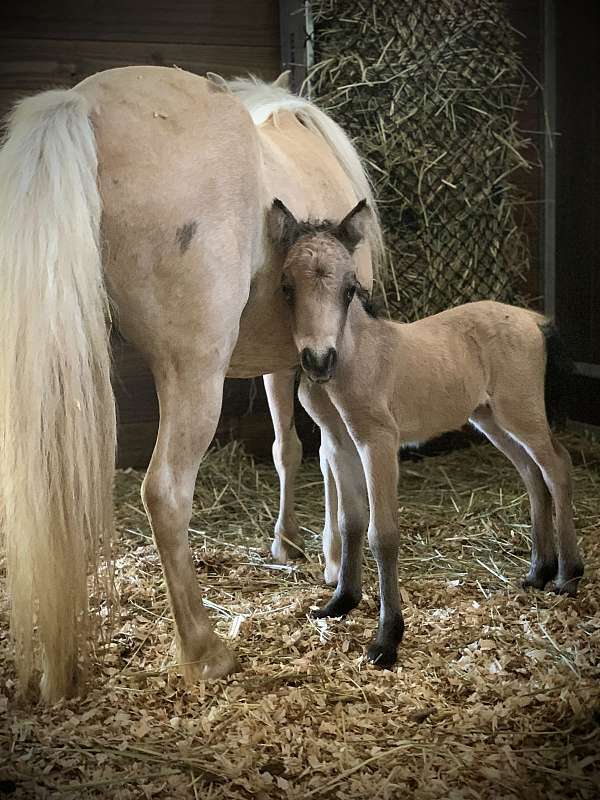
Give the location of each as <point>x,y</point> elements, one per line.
<point>331,361</point>
<point>319,366</point>
<point>307,359</point>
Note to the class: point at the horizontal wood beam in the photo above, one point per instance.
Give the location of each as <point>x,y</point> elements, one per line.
<point>29,65</point>
<point>222,23</point>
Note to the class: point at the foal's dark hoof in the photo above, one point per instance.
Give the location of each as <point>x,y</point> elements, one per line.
<point>337,606</point>
<point>567,584</point>
<point>540,575</point>
<point>383,656</point>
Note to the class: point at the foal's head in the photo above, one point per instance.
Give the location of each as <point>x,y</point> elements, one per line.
<point>318,280</point>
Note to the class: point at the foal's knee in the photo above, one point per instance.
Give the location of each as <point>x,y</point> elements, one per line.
<point>384,543</point>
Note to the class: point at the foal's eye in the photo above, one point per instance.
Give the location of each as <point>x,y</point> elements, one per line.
<point>349,294</point>
<point>288,293</point>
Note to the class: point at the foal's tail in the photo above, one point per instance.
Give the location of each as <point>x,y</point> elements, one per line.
<point>57,413</point>
<point>560,369</point>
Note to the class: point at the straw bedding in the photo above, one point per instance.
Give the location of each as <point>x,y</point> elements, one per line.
<point>496,694</point>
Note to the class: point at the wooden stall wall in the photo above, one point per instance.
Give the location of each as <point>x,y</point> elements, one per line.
<point>527,18</point>
<point>577,209</point>
<point>46,44</point>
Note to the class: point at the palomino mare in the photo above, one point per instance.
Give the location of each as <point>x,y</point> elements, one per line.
<point>142,194</point>
<point>375,385</point>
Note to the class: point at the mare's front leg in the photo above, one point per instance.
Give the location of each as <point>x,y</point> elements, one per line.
<point>288,542</point>
<point>377,445</point>
<point>346,498</point>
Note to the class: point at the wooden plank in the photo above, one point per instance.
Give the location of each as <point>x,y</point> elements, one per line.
<point>213,22</point>
<point>526,18</point>
<point>578,178</point>
<point>29,65</point>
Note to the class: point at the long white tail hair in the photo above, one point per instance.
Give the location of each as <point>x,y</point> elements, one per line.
<point>57,411</point>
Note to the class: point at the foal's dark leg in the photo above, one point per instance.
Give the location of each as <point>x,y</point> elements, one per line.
<point>544,563</point>
<point>380,463</point>
<point>555,466</point>
<point>339,451</point>
<point>346,467</point>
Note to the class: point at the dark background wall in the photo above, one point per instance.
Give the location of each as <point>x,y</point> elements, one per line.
<point>576,57</point>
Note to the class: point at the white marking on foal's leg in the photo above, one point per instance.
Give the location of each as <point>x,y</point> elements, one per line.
<point>332,543</point>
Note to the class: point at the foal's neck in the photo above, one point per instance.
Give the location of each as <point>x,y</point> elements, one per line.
<point>363,333</point>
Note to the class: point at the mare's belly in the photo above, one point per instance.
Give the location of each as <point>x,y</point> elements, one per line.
<point>264,343</point>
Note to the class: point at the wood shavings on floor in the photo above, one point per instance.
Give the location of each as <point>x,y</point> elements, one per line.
<point>496,695</point>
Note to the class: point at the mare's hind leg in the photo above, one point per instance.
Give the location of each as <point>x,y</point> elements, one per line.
<point>190,397</point>
<point>288,542</point>
<point>532,432</point>
<point>544,564</point>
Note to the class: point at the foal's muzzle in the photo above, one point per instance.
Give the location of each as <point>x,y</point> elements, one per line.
<point>319,367</point>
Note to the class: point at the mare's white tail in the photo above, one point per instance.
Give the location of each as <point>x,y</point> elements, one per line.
<point>57,414</point>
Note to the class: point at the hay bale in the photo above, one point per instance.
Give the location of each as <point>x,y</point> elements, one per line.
<point>429,92</point>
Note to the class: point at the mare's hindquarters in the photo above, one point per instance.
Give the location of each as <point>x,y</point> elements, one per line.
<point>183,229</point>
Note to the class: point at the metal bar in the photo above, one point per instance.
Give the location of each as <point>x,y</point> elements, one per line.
<point>585,428</point>
<point>549,99</point>
<point>296,32</point>
<point>589,370</point>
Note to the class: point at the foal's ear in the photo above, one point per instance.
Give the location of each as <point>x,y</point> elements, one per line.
<point>282,225</point>
<point>354,226</point>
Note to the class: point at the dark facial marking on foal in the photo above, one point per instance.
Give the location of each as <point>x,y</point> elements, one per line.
<point>349,287</point>
<point>287,289</point>
<point>185,234</point>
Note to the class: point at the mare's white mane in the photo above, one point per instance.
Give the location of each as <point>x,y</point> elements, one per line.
<point>264,99</point>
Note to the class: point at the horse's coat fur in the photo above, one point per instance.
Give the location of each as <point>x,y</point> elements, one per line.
<point>396,384</point>
<point>147,187</point>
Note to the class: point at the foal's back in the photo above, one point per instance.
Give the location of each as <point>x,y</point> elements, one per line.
<point>451,363</point>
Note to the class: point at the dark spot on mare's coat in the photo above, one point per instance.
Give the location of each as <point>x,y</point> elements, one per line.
<point>185,234</point>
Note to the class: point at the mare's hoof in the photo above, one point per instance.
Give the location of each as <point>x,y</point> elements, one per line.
<point>337,606</point>
<point>383,656</point>
<point>217,661</point>
<point>287,548</point>
<point>540,575</point>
